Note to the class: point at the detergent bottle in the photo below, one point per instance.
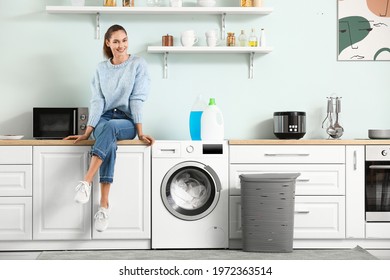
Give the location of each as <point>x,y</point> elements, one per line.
<point>212,125</point>
<point>195,117</point>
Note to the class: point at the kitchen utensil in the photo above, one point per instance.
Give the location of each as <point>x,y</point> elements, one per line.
<point>379,133</point>
<point>339,130</point>
<point>289,125</point>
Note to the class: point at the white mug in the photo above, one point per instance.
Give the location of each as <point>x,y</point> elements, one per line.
<point>188,41</point>
<point>212,41</point>
<point>211,33</point>
<point>188,33</point>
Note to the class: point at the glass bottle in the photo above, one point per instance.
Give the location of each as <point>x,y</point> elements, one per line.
<point>253,39</point>
<point>231,39</point>
<point>109,3</point>
<point>242,39</point>
<point>262,40</point>
<point>128,3</point>
<point>246,3</point>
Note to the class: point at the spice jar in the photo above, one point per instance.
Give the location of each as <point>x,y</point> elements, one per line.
<point>246,3</point>
<point>167,40</point>
<point>231,40</point>
<point>109,3</point>
<point>128,3</point>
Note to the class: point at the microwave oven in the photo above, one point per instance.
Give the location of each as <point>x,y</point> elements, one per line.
<point>57,123</point>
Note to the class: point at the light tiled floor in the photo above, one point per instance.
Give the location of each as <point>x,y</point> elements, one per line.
<point>19,255</point>
<point>380,254</point>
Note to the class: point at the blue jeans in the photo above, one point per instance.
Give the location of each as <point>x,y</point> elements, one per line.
<point>113,125</point>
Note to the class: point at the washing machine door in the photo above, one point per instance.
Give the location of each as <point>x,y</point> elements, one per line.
<point>190,190</point>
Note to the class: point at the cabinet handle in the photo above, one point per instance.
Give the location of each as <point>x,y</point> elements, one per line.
<point>379,166</point>
<point>354,160</point>
<point>303,180</point>
<point>302,211</point>
<point>286,155</point>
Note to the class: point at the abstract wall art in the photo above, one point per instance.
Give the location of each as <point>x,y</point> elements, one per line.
<point>364,30</point>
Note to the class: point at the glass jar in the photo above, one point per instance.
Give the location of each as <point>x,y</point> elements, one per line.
<point>109,3</point>
<point>246,3</point>
<point>128,3</point>
<point>231,40</point>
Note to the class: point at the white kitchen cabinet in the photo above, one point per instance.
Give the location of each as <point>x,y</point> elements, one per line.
<point>355,197</point>
<point>319,217</point>
<point>15,193</point>
<point>315,179</point>
<point>129,196</point>
<point>320,189</point>
<point>315,217</point>
<point>15,218</point>
<point>57,170</point>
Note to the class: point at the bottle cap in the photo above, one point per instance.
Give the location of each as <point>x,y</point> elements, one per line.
<point>212,101</point>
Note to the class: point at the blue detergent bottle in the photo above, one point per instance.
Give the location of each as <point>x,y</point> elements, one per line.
<point>196,116</point>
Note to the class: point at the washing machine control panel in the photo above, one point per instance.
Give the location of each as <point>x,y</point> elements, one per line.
<point>203,149</point>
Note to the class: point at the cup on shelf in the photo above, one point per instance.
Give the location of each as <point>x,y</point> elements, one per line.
<point>188,38</point>
<point>78,2</point>
<point>176,3</point>
<point>257,3</point>
<point>109,3</point>
<point>212,41</point>
<point>188,41</point>
<point>212,38</point>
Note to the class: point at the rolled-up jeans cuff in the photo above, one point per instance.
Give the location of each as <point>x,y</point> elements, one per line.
<point>98,153</point>
<point>107,180</point>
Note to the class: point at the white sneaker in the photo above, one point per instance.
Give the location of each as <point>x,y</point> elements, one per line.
<point>101,219</point>
<point>83,192</point>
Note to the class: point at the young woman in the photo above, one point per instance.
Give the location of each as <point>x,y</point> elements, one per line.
<point>119,88</point>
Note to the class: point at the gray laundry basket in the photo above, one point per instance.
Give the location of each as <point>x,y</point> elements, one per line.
<point>267,211</point>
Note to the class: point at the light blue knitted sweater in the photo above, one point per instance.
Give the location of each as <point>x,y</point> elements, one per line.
<point>124,86</point>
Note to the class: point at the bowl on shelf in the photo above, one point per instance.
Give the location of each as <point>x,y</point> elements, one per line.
<point>379,133</point>
<point>207,3</point>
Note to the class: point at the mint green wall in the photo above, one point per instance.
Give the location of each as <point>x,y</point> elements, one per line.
<point>48,60</point>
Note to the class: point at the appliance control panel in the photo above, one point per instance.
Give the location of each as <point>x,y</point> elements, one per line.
<point>374,152</point>
<point>187,149</point>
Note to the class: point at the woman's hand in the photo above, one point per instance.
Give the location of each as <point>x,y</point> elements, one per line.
<point>147,139</point>
<point>77,138</point>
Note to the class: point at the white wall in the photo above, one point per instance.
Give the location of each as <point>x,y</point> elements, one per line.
<point>48,60</point>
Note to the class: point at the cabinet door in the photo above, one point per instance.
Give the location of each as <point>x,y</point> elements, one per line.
<point>315,179</point>
<point>319,217</point>
<point>315,217</point>
<point>15,180</point>
<point>355,212</point>
<point>129,196</point>
<point>57,170</point>
<point>15,218</point>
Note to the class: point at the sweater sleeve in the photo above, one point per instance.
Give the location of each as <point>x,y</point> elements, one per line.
<point>97,102</point>
<point>140,91</point>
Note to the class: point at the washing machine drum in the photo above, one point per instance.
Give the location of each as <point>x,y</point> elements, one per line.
<point>190,190</point>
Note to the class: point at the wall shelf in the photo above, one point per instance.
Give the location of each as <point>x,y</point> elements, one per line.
<point>158,10</point>
<point>98,10</point>
<point>213,50</point>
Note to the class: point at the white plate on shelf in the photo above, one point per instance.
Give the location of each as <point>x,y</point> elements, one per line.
<point>11,137</point>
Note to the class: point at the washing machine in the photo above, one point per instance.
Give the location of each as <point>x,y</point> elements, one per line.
<point>190,194</point>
